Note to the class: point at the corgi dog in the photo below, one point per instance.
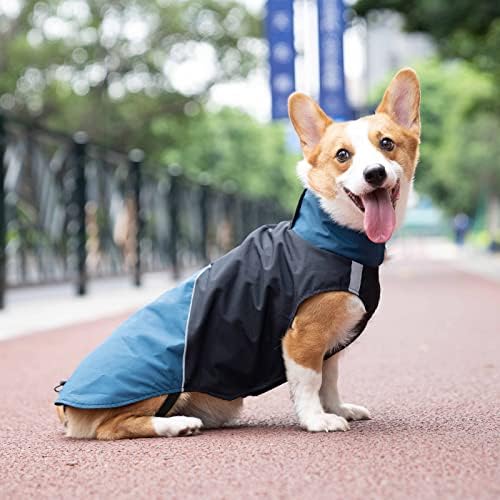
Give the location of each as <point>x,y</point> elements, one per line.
<point>279,307</point>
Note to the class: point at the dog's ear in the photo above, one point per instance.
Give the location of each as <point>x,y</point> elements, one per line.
<point>401,100</point>
<point>308,119</point>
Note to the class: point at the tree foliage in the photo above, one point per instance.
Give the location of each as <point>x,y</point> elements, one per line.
<point>465,29</point>
<point>138,73</point>
<point>235,150</point>
<point>55,49</point>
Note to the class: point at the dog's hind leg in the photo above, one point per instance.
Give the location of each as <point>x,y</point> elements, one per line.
<point>137,420</point>
<point>130,426</point>
<point>214,412</point>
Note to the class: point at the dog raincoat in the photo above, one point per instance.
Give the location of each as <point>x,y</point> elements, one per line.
<point>220,331</point>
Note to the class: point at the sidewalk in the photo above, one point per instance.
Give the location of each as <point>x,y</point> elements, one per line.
<point>467,259</point>
<point>30,310</point>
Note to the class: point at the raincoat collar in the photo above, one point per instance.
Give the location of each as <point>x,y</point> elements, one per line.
<point>314,225</point>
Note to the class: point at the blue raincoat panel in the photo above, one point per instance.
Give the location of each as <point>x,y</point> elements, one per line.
<point>143,358</point>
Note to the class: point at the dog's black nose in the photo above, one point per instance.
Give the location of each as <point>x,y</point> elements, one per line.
<point>375,174</point>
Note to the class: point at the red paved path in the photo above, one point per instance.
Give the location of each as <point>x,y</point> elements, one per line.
<point>427,367</point>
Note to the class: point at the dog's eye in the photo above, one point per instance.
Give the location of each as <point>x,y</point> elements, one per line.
<point>387,144</point>
<point>343,155</point>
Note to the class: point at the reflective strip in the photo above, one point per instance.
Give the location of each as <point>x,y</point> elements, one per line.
<point>187,325</point>
<point>356,275</point>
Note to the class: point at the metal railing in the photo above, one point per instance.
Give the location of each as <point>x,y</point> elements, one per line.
<point>71,209</point>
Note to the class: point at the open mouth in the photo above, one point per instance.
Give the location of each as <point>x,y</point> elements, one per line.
<point>379,211</point>
<point>358,200</point>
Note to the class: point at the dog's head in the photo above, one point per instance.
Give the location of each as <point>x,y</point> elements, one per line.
<point>362,170</point>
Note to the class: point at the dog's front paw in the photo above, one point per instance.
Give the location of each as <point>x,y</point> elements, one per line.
<point>325,422</point>
<point>352,412</point>
<point>177,426</point>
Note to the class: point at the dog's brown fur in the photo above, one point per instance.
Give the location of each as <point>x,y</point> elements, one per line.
<point>318,325</point>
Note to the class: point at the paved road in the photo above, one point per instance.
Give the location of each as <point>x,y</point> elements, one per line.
<point>428,367</point>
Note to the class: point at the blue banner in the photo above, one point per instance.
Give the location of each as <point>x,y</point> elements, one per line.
<point>331,24</point>
<point>279,27</point>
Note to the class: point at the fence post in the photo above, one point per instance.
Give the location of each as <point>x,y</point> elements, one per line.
<point>204,180</point>
<point>3,222</point>
<point>80,140</point>
<point>173,208</point>
<point>136,157</point>
<point>205,193</point>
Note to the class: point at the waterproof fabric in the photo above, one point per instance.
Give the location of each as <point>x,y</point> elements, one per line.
<point>220,331</point>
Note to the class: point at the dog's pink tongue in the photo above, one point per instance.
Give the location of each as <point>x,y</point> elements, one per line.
<point>380,217</point>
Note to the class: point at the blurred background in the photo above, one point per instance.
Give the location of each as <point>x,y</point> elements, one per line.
<point>139,136</point>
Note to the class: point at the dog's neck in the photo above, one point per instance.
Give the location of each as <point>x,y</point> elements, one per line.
<point>314,225</point>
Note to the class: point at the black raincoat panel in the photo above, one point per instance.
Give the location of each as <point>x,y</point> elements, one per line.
<point>245,301</point>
